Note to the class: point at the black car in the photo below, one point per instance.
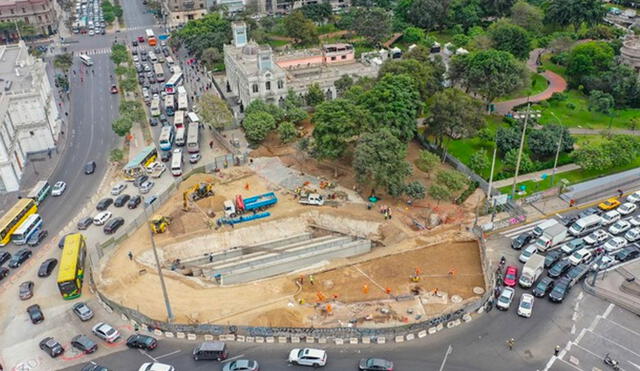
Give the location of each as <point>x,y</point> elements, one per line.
<point>165,156</point>
<point>560,290</point>
<point>552,257</point>
<point>4,271</point>
<point>628,253</point>
<point>4,257</point>
<point>83,224</point>
<point>19,257</point>
<point>113,225</point>
<point>520,241</point>
<point>577,273</point>
<point>139,180</point>
<point>589,211</point>
<point>568,220</point>
<point>134,202</point>
<point>94,367</point>
<point>142,341</point>
<point>153,121</point>
<point>47,267</point>
<point>84,344</point>
<point>104,204</point>
<point>37,237</point>
<point>559,269</point>
<point>35,314</point>
<point>52,347</point>
<point>134,43</point>
<point>90,167</point>
<point>121,200</point>
<point>543,287</point>
<point>25,291</point>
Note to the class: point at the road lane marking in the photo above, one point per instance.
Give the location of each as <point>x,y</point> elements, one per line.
<point>233,358</point>
<point>169,354</point>
<point>148,355</point>
<point>608,311</point>
<point>616,343</point>
<point>623,327</point>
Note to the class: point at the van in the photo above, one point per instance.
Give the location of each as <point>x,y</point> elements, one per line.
<point>539,229</point>
<point>210,350</point>
<point>170,61</point>
<point>585,225</point>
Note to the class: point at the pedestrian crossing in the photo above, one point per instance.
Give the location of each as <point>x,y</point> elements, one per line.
<point>514,232</point>
<point>140,27</point>
<point>93,51</point>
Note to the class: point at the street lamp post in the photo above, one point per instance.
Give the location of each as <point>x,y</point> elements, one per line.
<point>555,162</point>
<point>524,130</point>
<point>162,284</point>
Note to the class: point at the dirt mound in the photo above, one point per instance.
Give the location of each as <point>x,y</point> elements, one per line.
<point>278,318</point>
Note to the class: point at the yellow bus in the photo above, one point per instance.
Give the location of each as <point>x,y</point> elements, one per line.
<point>137,166</point>
<point>71,272</point>
<point>14,218</point>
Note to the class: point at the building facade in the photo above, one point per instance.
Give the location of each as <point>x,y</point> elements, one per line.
<point>29,118</point>
<point>179,12</point>
<point>630,53</point>
<point>40,14</point>
<point>280,7</point>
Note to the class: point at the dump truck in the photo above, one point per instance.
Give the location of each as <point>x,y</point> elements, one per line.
<point>532,269</point>
<point>254,204</point>
<point>551,237</point>
<point>159,223</point>
<point>312,199</point>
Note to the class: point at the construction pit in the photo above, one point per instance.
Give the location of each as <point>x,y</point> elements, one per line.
<point>336,265</point>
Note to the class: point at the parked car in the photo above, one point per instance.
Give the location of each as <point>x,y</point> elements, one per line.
<point>597,237</point>
<point>83,311</point>
<point>146,186</point>
<point>589,211</point>
<point>102,217</point>
<point>140,180</point>
<point>505,298</point>
<point>118,188</point>
<point>47,267</point>
<point>241,365</point>
<point>52,347</point>
<point>627,208</point>
<point>106,332</point>
<point>153,121</point>
<point>614,244</point>
<point>84,223</point>
<point>559,269</point>
<point>134,202</point>
<point>4,257</point>
<point>20,257</point>
<point>308,357</point>
<point>149,200</point>
<point>521,240</point>
<point>552,257</point>
<point>632,234</point>
<point>543,287</point>
<point>25,291</point>
<point>58,188</point>
<point>527,252</point>
<point>35,314</point>
<point>634,197</point>
<point>142,341</point>
<point>165,156</point>
<point>90,167</point>
<point>560,290</point>
<point>511,276</point>
<point>581,256</point>
<point>194,158</point>
<point>375,364</point>
<point>113,225</point>
<point>603,262</point>
<point>635,221</point>
<point>121,200</point>
<point>628,253</point>
<point>619,227</point>
<point>93,367</point>
<point>525,308</point>
<point>84,344</point>
<point>156,366</point>
<point>609,204</point>
<point>4,272</point>
<point>104,204</point>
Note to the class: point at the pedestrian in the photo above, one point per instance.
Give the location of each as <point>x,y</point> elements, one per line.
<point>620,193</point>
<point>510,343</point>
<point>136,328</point>
<point>556,351</point>
<point>66,113</point>
<point>210,258</point>
<point>301,279</point>
<point>130,255</point>
<point>211,144</point>
<point>311,279</point>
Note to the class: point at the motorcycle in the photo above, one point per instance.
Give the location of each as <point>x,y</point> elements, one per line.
<point>611,362</point>
<point>503,261</point>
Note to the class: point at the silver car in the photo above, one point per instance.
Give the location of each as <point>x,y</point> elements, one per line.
<point>146,186</point>
<point>83,311</point>
<point>106,332</point>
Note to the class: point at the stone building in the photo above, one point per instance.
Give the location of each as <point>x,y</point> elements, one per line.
<point>179,12</point>
<point>39,13</point>
<point>279,7</point>
<point>630,53</point>
<point>29,118</point>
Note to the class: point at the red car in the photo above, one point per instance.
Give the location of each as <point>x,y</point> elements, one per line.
<point>114,89</point>
<point>140,39</point>
<point>511,276</point>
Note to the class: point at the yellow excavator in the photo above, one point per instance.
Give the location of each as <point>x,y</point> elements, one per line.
<point>195,193</point>
<point>159,223</point>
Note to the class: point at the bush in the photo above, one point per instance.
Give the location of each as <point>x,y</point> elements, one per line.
<point>451,179</point>
<point>559,97</point>
<point>286,131</point>
<point>415,190</point>
<point>571,106</point>
<point>467,192</point>
<point>545,104</point>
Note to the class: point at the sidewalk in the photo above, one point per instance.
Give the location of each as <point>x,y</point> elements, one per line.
<point>618,286</point>
<point>580,131</point>
<point>535,175</point>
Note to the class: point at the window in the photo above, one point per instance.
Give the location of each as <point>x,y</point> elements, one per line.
<point>39,18</point>
<point>333,58</point>
<point>344,57</point>
<point>11,11</point>
<point>43,7</point>
<point>267,85</point>
<point>24,10</point>
<point>280,84</point>
<point>255,88</point>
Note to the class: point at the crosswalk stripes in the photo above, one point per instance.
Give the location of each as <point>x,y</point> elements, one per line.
<point>511,233</point>
<point>94,51</point>
<point>140,27</point>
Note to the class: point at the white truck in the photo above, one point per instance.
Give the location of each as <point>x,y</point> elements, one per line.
<point>540,228</point>
<point>532,269</point>
<point>312,199</point>
<point>551,237</point>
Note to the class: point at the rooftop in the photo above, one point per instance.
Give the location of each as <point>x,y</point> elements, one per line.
<point>17,66</point>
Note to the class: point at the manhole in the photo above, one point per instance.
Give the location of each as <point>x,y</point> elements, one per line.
<point>478,290</point>
<point>456,299</point>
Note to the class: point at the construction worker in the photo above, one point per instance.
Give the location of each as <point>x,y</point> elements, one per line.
<point>510,343</point>
<point>130,254</point>
<point>311,279</point>
<point>556,351</point>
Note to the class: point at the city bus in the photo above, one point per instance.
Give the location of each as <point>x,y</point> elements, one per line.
<point>178,120</point>
<point>136,167</point>
<point>169,105</point>
<point>71,272</point>
<point>157,69</point>
<point>183,101</point>
<point>86,60</point>
<point>22,209</point>
<point>193,145</point>
<point>40,191</point>
<point>193,117</point>
<point>166,138</point>
<point>175,80</point>
<point>176,163</point>
<point>155,107</point>
<point>151,38</point>
<point>30,226</point>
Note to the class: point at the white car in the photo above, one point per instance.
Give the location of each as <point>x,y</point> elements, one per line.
<point>620,226</point>
<point>635,221</point>
<point>614,244</point>
<point>525,309</point>
<point>91,33</point>
<point>118,188</point>
<point>505,298</point>
<point>308,357</point>
<point>58,188</point>
<point>627,208</point>
<point>102,218</point>
<point>105,332</point>
<point>135,58</point>
<point>596,237</point>
<point>146,186</point>
<point>634,197</point>
<point>580,256</point>
<point>156,169</point>
<point>603,263</point>
<point>610,217</point>
<point>527,252</point>
<point>632,234</point>
<point>156,366</point>
<point>194,158</point>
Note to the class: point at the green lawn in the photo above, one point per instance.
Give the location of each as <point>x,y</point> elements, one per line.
<point>548,65</point>
<point>277,43</point>
<point>442,37</point>
<point>538,85</point>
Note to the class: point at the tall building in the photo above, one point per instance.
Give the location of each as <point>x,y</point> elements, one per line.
<point>29,118</point>
<point>179,12</point>
<point>41,14</point>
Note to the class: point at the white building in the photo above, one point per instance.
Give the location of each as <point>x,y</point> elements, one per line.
<point>29,118</point>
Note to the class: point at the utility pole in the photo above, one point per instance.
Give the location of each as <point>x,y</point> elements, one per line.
<point>555,162</point>
<point>164,288</point>
<point>524,130</point>
<point>493,166</point>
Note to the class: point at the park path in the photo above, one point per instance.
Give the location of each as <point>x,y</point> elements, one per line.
<point>556,84</point>
<point>524,177</point>
<point>580,131</point>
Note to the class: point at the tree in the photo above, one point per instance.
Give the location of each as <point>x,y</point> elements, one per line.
<point>133,110</point>
<point>489,73</point>
<point>510,38</point>
<point>428,77</point>
<point>63,61</point>
<point>415,190</point>
<point>574,12</point>
<point>466,13</point>
<point>527,16</point>
<point>589,58</point>
<point>452,179</point>
<point>497,7</point>
<point>454,114</point>
<point>129,84</point>
<point>210,31</point>
<point>592,157</point>
<point>428,14</point>
<point>119,54</point>
<point>413,35</point>
<point>507,139</point>
<point>430,159</point>
<point>634,123</point>
<point>342,84</point>
<point>379,160</point>
<point>116,155</point>
<point>257,125</point>
<point>293,100</point>
<point>620,81</point>
<point>214,111</point>
<point>601,102</point>
<point>479,161</point>
<point>314,95</point>
<point>260,106</point>
<point>303,30</point>
<point>543,143</point>
<point>295,115</point>
<point>510,162</point>
<point>439,192</point>
<point>122,126</point>
<point>394,103</point>
<point>317,12</point>
<point>337,123</point>
<point>211,56</point>
<point>286,131</point>
<point>374,24</point>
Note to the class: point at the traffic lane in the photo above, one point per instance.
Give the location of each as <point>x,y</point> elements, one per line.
<point>136,15</point>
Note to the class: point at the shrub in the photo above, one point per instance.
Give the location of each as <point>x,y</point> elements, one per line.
<point>571,106</point>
